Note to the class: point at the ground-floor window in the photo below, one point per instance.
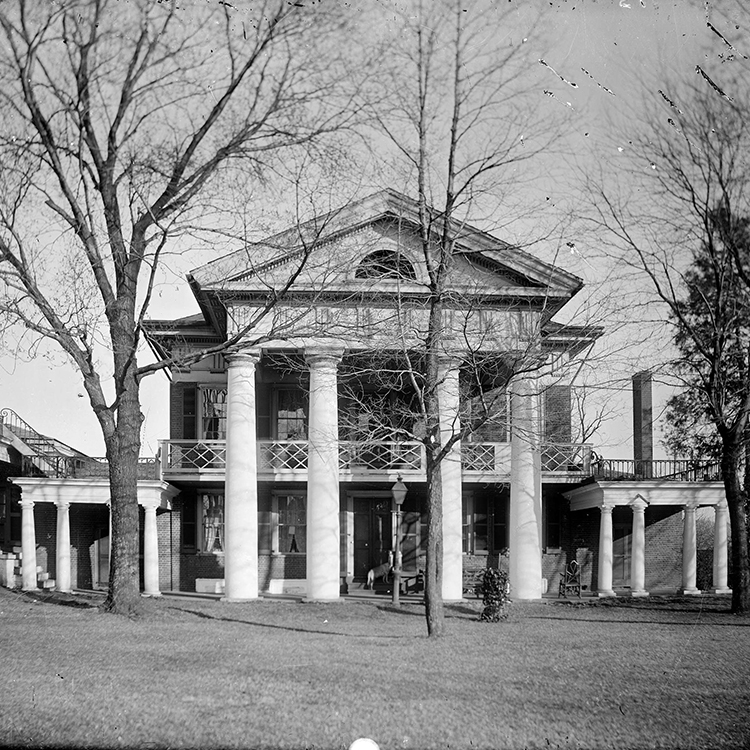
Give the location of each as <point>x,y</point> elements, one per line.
<point>485,523</point>
<point>292,528</point>
<point>211,506</point>
<point>552,516</point>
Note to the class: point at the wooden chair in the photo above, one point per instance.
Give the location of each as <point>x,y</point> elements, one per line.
<point>570,580</point>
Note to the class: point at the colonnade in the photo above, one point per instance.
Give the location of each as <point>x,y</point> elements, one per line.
<point>638,549</point>
<point>63,547</point>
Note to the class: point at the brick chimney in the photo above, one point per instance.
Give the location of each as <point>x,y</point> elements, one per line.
<point>643,419</point>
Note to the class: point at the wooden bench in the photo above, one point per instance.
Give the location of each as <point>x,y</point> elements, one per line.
<point>570,580</point>
<point>473,582</point>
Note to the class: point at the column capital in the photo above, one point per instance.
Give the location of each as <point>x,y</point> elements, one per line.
<point>150,504</point>
<point>241,357</point>
<point>722,505</point>
<point>26,503</point>
<point>691,506</point>
<point>607,508</point>
<point>62,504</point>
<point>638,504</point>
<point>324,356</point>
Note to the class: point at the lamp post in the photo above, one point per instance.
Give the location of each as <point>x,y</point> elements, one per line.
<point>398,491</point>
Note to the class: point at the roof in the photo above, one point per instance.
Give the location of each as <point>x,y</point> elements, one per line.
<point>321,256</point>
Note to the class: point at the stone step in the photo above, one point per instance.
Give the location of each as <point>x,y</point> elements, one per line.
<point>48,584</point>
<point>42,576</point>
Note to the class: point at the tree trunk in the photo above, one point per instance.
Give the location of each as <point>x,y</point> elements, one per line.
<point>433,590</point>
<point>123,450</point>
<point>736,501</point>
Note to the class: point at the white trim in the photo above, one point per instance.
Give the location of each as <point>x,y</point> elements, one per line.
<point>91,491</point>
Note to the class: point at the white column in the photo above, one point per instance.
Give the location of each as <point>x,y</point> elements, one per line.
<point>62,557</point>
<point>323,564</point>
<point>606,552</point>
<point>525,495</point>
<point>689,551</point>
<point>720,549</point>
<point>28,546</point>
<point>638,557</point>
<point>150,551</point>
<point>450,473</point>
<point>241,483</point>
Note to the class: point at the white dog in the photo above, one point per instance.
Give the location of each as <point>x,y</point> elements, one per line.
<point>380,571</point>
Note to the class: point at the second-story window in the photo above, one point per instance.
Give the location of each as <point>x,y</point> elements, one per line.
<point>214,413</point>
<point>291,414</point>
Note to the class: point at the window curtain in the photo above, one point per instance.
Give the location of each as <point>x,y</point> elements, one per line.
<point>214,413</point>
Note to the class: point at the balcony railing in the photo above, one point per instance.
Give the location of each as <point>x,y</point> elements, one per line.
<point>207,457</point>
<point>674,470</point>
<point>193,457</point>
<point>379,457</point>
<point>69,467</point>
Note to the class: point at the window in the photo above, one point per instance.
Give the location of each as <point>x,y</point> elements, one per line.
<point>386,264</point>
<point>214,413</point>
<point>292,523</point>
<point>484,524</point>
<point>291,414</point>
<point>553,523</point>
<point>211,508</point>
<point>190,524</point>
<point>189,412</point>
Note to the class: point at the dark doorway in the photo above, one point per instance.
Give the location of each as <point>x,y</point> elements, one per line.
<point>373,534</point>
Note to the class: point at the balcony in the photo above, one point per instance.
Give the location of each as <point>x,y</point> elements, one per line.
<point>281,460</point>
<point>76,467</point>
<point>674,470</point>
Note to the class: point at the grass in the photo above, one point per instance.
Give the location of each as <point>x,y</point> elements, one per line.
<point>656,673</point>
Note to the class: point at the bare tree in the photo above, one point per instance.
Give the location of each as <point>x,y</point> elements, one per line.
<point>678,218</point>
<point>123,126</point>
<point>454,112</point>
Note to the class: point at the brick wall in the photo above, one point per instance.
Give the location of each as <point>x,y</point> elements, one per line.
<point>663,547</point>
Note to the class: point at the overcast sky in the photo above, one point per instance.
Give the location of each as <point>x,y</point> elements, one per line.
<point>614,52</point>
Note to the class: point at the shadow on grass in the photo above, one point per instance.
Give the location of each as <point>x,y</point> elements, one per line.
<point>63,600</point>
<point>741,622</point>
<point>292,629</point>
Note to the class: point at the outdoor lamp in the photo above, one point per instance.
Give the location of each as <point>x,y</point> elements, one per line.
<point>398,491</point>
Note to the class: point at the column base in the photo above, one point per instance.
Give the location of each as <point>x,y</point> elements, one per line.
<point>721,591</point>
<point>641,594</point>
<point>64,591</point>
<point>691,592</point>
<point>232,599</point>
<point>314,600</point>
<point>605,594</point>
<point>148,595</point>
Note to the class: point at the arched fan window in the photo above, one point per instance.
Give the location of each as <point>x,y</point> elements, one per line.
<point>386,264</point>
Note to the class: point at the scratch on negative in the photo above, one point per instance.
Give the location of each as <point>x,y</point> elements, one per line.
<point>723,39</point>
<point>564,80</point>
<point>698,69</point>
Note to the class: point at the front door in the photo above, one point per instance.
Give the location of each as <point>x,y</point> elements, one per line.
<point>373,536</point>
<point>101,559</point>
<point>621,533</point>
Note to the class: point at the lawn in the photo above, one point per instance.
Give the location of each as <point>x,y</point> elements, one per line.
<point>662,673</point>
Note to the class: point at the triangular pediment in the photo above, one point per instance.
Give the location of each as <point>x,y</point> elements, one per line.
<point>331,253</point>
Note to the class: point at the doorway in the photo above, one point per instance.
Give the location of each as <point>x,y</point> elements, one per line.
<point>100,567</point>
<point>373,533</point>
<point>622,537</point>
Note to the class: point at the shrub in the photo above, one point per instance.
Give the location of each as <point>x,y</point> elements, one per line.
<point>496,600</point>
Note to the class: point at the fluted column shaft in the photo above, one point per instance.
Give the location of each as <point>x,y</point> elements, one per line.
<point>28,546</point>
<point>721,568</point>
<point>62,556</point>
<point>150,552</point>
<point>638,556</point>
<point>525,495</point>
<point>448,393</point>
<point>241,485</point>
<point>606,551</point>
<point>323,564</point>
<point>689,551</point>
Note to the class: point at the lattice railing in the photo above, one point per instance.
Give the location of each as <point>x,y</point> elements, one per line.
<point>566,457</point>
<point>189,456</point>
<point>675,470</point>
<point>282,455</point>
<point>381,456</point>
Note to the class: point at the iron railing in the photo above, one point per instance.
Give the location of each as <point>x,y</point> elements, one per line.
<point>675,470</point>
<point>75,467</point>
<point>193,456</point>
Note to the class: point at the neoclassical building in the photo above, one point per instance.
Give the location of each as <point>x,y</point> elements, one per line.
<point>284,447</point>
